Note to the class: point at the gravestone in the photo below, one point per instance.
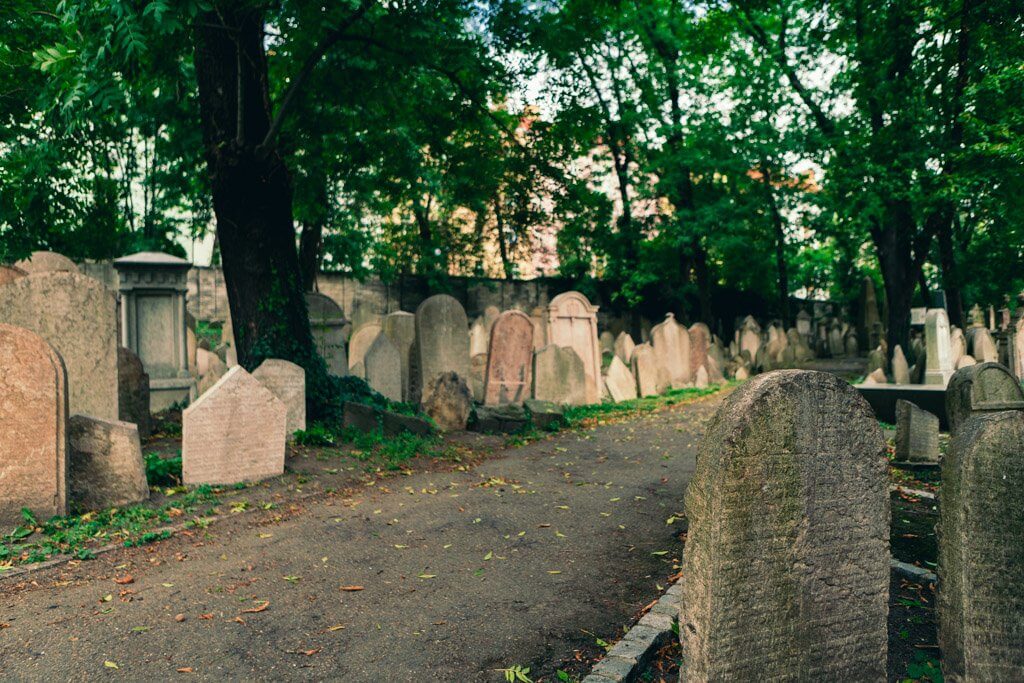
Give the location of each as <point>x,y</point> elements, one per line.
<point>1016,342</point>
<point>154,322</point>
<point>133,392</point>
<point>671,344</point>
<point>105,467</point>
<point>228,349</point>
<point>786,570</point>
<point>869,317</point>
<point>33,439</point>
<point>9,274</point>
<point>646,370</point>
<point>286,381</point>
<point>328,326</point>
<point>540,327</point>
<point>383,364</point>
<point>965,361</point>
<point>572,323</point>
<point>876,376</point>
<point>509,374</point>
<point>749,338</point>
<point>606,341</point>
<point>900,368</point>
<point>983,347</point>
<point>400,328</point>
<point>477,370</point>
<point>700,344</point>
<point>211,368</point>
<point>981,549</point>
<point>558,376</point>
<point>442,344</point>
<point>957,345</point>
<point>620,381</point>
<point>803,323</point>
<point>938,363</point>
<point>76,315</point>
<point>47,262</point>
<point>235,432</point>
<point>624,347</point>
<point>360,343</point>
<point>985,387</point>
<point>447,400</point>
<point>917,434</point>
<point>701,380</point>
<point>478,337</point>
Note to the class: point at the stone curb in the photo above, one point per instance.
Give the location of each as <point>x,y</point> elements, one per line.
<point>912,572</point>
<point>913,492</point>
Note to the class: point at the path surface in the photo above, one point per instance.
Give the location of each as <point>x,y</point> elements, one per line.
<point>509,563</point>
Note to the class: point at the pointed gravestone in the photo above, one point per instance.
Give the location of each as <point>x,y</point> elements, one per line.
<point>917,434</point>
<point>509,373</point>
<point>900,369</point>
<point>572,323</point>
<point>286,381</point>
<point>383,366</point>
<point>646,370</point>
<point>671,343</point>
<point>400,328</point>
<point>558,376</point>
<point>360,343</point>
<point>620,382</point>
<point>981,548</point>
<point>235,432</point>
<point>700,344</point>
<point>77,316</point>
<point>786,570</point>
<point>33,438</point>
<point>985,387</point>
<point>939,363</point>
<point>957,345</point>
<point>983,347</point>
<point>624,347</point>
<point>105,467</point>
<point>327,324</point>
<point>442,344</point>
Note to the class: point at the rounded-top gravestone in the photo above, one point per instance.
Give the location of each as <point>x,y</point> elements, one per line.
<point>47,262</point>
<point>509,374</point>
<point>442,339</point>
<point>572,323</point>
<point>984,387</point>
<point>328,325</point>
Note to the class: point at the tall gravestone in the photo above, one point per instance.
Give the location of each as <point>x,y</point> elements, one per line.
<point>572,323</point>
<point>33,438</point>
<point>509,374</point>
<point>624,346</point>
<point>671,343</point>
<point>559,376</point>
<point>154,322</point>
<point>479,337</point>
<point>442,342</point>
<point>786,570</point>
<point>981,549</point>
<point>981,388</point>
<point>383,365</point>
<point>646,370</point>
<point>235,432</point>
<point>328,326</point>
<point>359,344</point>
<point>77,316</point>
<point>400,328</point>
<point>286,381</point>
<point>938,362</point>
<point>700,343</point>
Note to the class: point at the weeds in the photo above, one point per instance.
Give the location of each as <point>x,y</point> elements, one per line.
<point>163,471</point>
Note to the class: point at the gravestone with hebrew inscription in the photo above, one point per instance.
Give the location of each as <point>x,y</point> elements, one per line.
<point>508,377</point>
<point>646,370</point>
<point>572,323</point>
<point>400,328</point>
<point>33,438</point>
<point>981,549</point>
<point>328,325</point>
<point>700,344</point>
<point>786,570</point>
<point>383,366</point>
<point>105,466</point>
<point>442,341</point>
<point>77,316</point>
<point>287,381</point>
<point>235,432</point>
<point>984,387</point>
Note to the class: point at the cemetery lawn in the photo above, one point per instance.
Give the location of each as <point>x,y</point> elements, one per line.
<point>420,559</point>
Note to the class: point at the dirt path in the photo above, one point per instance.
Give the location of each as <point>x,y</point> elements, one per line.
<point>462,573</point>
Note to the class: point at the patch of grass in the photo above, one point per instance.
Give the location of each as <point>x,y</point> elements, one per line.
<point>210,331</point>
<point>391,452</point>
<point>79,535</point>
<point>576,415</point>
<point>163,471</point>
<point>317,434</point>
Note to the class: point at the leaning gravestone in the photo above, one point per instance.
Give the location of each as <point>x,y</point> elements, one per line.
<point>917,434</point>
<point>558,376</point>
<point>620,381</point>
<point>981,549</point>
<point>939,361</point>
<point>234,432</point>
<point>786,570</point>
<point>985,387</point>
<point>509,374</point>
<point>287,381</point>
<point>47,262</point>
<point>572,323</point>
<point>383,365</point>
<point>400,328</point>
<point>33,439</point>
<point>360,343</point>
<point>624,347</point>
<point>77,316</point>
<point>646,370</point>
<point>327,324</point>
<point>133,391</point>
<point>105,467</point>
<point>671,344</point>
<point>442,344</point>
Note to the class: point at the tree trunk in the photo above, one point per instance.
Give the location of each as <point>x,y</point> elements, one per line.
<point>252,196</point>
<point>900,278</point>
<point>499,221</point>
<point>310,246</point>
<point>703,277</point>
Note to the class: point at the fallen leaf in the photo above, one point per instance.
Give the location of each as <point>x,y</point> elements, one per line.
<point>179,618</point>
<point>351,589</point>
<point>184,670</point>
<point>208,615</point>
<point>124,580</point>
<point>338,627</point>
<point>554,571</point>
<point>428,576</point>
<point>258,608</point>
<point>238,620</point>
<point>111,665</point>
<point>488,556</point>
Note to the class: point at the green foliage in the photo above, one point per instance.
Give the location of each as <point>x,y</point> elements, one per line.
<point>316,434</point>
<point>163,471</point>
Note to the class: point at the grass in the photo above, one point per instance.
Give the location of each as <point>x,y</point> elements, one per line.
<point>375,449</point>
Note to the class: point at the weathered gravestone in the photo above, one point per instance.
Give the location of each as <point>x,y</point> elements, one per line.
<point>47,262</point>
<point>983,347</point>
<point>939,362</point>
<point>558,376</point>
<point>786,570</point>
<point>234,432</point>
<point>448,401</point>
<point>701,380</point>
<point>105,467</point>
<point>328,326</point>
<point>624,347</point>
<point>509,374</point>
<point>572,323</point>
<point>671,343</point>
<point>9,274</point>
<point>540,327</point>
<point>957,345</point>
<point>646,370</point>
<point>478,337</point>
<point>981,549</point>
<point>133,391</point>
<point>917,434</point>
<point>400,328</point>
<point>383,364</point>
<point>360,343</point>
<point>985,387</point>
<point>620,381</point>
<point>442,344</point>
<point>77,316</point>
<point>700,343</point>
<point>900,368</point>
<point>33,438</point>
<point>211,368</point>
<point>286,381</point>
<point>606,341</point>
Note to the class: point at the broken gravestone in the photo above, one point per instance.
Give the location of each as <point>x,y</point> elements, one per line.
<point>917,434</point>
<point>106,467</point>
<point>448,401</point>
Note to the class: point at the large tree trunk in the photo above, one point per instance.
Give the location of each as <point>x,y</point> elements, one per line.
<point>251,190</point>
<point>899,275</point>
<point>310,246</point>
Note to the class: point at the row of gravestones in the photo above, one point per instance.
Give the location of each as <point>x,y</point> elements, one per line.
<point>786,569</point>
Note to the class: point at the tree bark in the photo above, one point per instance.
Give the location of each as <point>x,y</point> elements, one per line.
<point>252,196</point>
<point>499,221</point>
<point>310,247</point>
